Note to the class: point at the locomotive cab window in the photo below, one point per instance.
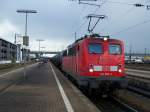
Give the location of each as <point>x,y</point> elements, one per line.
<point>71,51</point>
<point>95,48</point>
<point>114,49</point>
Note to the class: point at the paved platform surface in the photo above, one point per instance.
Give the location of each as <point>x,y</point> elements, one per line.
<point>44,89</point>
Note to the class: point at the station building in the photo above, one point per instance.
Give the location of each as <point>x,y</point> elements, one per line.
<point>8,50</point>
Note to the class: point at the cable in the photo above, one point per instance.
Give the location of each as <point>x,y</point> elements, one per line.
<point>147,1</point>
<point>97,9</point>
<point>124,3</point>
<point>131,27</point>
<point>81,25</point>
<point>80,14</point>
<point>127,12</point>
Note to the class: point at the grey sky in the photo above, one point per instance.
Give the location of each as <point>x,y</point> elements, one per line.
<point>57,20</point>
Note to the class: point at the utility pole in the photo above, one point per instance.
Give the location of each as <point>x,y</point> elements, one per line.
<point>145,51</point>
<point>15,38</point>
<point>130,53</point>
<point>39,40</point>
<point>75,36</point>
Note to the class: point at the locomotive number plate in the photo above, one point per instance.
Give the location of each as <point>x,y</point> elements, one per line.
<point>97,68</point>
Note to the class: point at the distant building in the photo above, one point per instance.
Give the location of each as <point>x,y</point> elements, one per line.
<point>8,51</point>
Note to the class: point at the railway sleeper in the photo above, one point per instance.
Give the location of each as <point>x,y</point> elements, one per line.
<point>139,84</point>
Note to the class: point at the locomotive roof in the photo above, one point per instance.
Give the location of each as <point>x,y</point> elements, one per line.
<point>93,38</point>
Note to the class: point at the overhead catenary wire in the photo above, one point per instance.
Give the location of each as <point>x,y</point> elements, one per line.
<point>126,13</point>
<point>147,1</point>
<point>135,4</point>
<point>114,2</point>
<point>131,27</point>
<point>96,10</point>
<point>124,3</point>
<point>82,25</point>
<point>89,4</point>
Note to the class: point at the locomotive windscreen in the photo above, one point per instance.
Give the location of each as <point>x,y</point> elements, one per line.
<point>114,49</point>
<point>95,48</point>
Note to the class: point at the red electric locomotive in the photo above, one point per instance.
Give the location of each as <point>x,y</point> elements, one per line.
<point>96,62</point>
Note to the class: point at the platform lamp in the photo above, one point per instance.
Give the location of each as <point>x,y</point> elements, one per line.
<point>26,37</point>
<point>26,13</point>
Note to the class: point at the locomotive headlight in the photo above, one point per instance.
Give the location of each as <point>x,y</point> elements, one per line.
<point>105,38</point>
<point>119,70</point>
<point>91,70</point>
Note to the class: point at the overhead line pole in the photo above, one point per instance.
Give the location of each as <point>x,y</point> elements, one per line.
<point>39,40</point>
<point>25,37</point>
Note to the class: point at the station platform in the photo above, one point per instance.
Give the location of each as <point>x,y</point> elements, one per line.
<point>43,88</point>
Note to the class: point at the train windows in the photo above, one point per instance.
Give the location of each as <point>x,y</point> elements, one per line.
<point>95,48</point>
<point>65,53</point>
<point>114,49</point>
<point>71,51</point>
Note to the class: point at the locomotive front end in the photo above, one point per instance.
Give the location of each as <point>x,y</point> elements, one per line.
<point>104,63</point>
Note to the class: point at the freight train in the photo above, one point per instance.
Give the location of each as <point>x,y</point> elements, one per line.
<point>94,63</point>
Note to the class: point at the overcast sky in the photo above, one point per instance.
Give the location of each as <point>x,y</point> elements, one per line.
<point>58,20</point>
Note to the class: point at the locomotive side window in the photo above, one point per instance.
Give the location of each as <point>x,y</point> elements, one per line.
<point>95,48</point>
<point>114,49</point>
<point>71,51</point>
<point>65,53</point>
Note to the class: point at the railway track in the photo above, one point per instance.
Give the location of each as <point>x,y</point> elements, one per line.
<point>139,91</point>
<point>108,104</point>
<point>111,104</point>
<point>139,66</point>
<point>138,84</point>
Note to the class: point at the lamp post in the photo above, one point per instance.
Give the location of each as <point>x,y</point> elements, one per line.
<point>26,16</point>
<point>25,37</point>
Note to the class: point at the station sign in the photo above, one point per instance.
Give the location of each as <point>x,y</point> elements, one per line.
<point>26,40</point>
